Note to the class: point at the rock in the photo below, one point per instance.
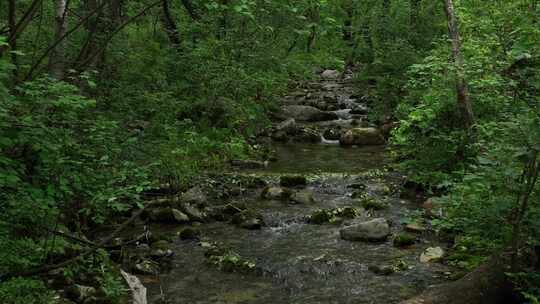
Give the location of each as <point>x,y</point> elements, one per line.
<point>332,134</point>
<point>303,197</point>
<point>248,220</point>
<point>146,267</point>
<point>359,110</point>
<point>292,180</point>
<point>160,253</point>
<point>193,213</point>
<point>306,135</point>
<point>168,215</point>
<point>373,230</point>
<point>362,137</point>
<point>330,74</point>
<point>382,270</point>
<point>432,254</point>
<point>79,293</point>
<point>373,204</point>
<point>249,164</point>
<point>404,240</point>
<point>335,215</point>
<point>320,217</point>
<point>415,228</point>
<point>307,113</point>
<point>189,233</point>
<point>288,126</point>
<point>194,196</point>
<point>276,193</point>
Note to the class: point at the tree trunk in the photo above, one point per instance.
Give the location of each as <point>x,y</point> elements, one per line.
<point>488,284</point>
<point>12,24</point>
<point>169,24</point>
<point>57,56</point>
<point>462,89</point>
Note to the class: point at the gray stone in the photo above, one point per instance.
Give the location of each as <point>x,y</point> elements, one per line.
<point>276,193</point>
<point>330,74</point>
<point>432,254</point>
<point>373,230</point>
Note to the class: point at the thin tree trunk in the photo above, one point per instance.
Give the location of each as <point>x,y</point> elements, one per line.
<point>169,24</point>
<point>12,28</point>
<point>462,88</point>
<point>57,57</point>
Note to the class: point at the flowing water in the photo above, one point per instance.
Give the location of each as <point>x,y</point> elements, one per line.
<point>300,262</point>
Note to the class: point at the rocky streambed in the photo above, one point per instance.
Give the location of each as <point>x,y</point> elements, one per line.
<point>326,221</point>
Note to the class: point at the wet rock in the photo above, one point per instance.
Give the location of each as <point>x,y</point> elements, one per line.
<point>362,137</point>
<point>193,213</point>
<point>276,193</point>
<point>194,196</point>
<point>158,254</point>
<point>189,233</point>
<point>332,134</point>
<point>146,267</point>
<point>248,220</point>
<point>404,240</point>
<point>330,74</point>
<point>359,110</point>
<point>371,231</point>
<point>288,126</point>
<point>432,254</point>
<point>307,113</point>
<point>303,197</point>
<point>306,135</point>
<point>79,293</point>
<point>163,245</point>
<point>415,228</point>
<point>372,204</point>
<point>383,270</point>
<point>335,215</point>
<point>168,215</point>
<point>249,164</point>
<point>292,180</point>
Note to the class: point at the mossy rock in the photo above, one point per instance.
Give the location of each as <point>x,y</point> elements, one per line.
<point>189,233</point>
<point>372,204</point>
<point>404,240</point>
<point>323,216</point>
<point>320,217</point>
<point>293,181</point>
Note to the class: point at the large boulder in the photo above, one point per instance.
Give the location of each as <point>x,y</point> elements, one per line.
<point>362,137</point>
<point>372,231</point>
<point>307,113</point>
<point>248,220</point>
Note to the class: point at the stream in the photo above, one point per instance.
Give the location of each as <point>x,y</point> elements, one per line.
<point>301,262</point>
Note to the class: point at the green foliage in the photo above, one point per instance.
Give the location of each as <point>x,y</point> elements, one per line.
<point>25,291</point>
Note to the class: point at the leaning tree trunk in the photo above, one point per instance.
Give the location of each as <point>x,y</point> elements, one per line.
<point>488,284</point>
<point>169,24</point>
<point>57,56</point>
<point>462,89</point>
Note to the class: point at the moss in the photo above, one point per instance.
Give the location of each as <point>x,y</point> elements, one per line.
<point>404,240</point>
<point>372,204</point>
